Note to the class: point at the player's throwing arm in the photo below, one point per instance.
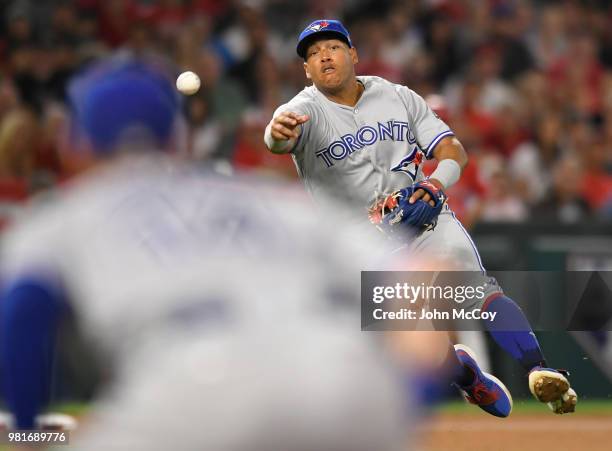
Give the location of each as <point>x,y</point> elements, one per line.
<point>283,131</point>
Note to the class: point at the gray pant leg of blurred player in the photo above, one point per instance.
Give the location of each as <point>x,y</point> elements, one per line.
<point>450,248</point>
<point>313,389</point>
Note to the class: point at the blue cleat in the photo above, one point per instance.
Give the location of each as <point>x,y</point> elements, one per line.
<point>487,391</point>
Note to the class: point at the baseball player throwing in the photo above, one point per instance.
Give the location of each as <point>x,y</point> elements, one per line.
<point>363,139</point>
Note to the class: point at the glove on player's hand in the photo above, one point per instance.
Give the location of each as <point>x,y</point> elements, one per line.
<point>394,213</point>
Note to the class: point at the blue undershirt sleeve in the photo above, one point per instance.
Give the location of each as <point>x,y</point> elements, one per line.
<point>30,311</point>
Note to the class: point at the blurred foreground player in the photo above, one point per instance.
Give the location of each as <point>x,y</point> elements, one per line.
<point>229,315</point>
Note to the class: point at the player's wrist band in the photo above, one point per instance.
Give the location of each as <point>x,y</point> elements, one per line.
<point>447,172</point>
<point>273,144</point>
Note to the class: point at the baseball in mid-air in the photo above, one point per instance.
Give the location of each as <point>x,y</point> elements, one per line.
<point>188,83</point>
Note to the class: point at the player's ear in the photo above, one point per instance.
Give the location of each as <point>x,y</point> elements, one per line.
<point>354,56</point>
<point>306,71</point>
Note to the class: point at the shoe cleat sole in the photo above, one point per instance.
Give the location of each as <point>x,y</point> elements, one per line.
<point>548,386</point>
<point>565,404</point>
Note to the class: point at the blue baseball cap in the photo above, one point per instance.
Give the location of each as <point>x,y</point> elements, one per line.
<point>119,94</point>
<point>322,28</point>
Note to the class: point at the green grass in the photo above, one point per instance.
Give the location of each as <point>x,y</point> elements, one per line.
<point>74,409</point>
<point>521,406</point>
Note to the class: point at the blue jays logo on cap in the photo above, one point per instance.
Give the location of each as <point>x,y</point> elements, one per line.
<point>319,25</point>
<point>318,28</point>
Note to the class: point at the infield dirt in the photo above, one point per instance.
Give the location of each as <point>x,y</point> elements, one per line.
<point>523,432</point>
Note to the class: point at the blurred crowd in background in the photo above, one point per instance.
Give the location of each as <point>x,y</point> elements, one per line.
<point>526,85</point>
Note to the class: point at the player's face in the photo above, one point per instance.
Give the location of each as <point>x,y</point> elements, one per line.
<point>330,64</point>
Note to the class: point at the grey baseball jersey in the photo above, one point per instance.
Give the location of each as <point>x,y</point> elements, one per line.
<point>155,230</point>
<point>375,147</point>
